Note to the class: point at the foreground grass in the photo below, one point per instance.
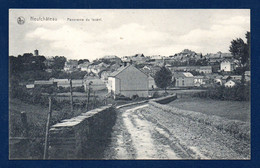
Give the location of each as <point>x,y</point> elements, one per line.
<point>233,110</point>
<point>36,119</point>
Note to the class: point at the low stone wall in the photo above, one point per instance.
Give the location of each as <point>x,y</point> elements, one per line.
<point>239,129</point>
<point>82,137</point>
<point>166,99</point>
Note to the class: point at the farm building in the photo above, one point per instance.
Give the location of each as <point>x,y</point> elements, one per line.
<point>183,79</point>
<point>128,81</point>
<point>227,65</point>
<point>230,83</point>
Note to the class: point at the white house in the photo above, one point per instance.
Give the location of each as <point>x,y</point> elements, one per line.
<point>183,79</point>
<point>128,81</point>
<point>227,65</point>
<point>230,83</point>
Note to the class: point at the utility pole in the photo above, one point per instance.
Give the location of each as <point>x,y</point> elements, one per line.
<point>94,101</point>
<point>24,123</point>
<point>71,98</point>
<point>46,143</point>
<point>88,95</point>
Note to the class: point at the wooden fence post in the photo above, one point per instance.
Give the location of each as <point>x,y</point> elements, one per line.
<point>24,124</point>
<point>88,97</point>
<point>94,101</point>
<point>46,143</point>
<point>71,98</point>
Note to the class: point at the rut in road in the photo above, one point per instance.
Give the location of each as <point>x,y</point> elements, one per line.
<point>135,137</point>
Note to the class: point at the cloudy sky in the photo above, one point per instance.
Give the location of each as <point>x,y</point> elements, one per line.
<point>125,32</point>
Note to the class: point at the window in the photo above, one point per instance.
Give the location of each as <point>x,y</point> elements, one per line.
<point>182,82</point>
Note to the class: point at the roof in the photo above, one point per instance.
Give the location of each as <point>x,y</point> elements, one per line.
<point>118,71</point>
<point>43,82</point>
<point>205,67</point>
<point>183,74</point>
<point>122,68</point>
<point>187,74</point>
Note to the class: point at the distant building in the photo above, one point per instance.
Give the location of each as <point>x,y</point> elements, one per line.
<point>200,69</point>
<point>71,65</point>
<point>94,82</point>
<point>36,52</point>
<point>204,69</point>
<point>48,83</point>
<point>199,80</point>
<point>183,79</point>
<point>128,81</point>
<point>230,84</point>
<point>227,66</point>
<point>83,66</point>
<point>247,75</point>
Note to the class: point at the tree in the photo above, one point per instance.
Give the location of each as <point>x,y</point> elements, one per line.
<point>241,51</point>
<point>81,61</point>
<point>59,62</point>
<point>163,78</point>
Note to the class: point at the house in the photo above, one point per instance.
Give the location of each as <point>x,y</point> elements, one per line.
<point>236,77</point>
<point>204,69</point>
<point>247,75</point>
<point>83,66</point>
<point>66,82</point>
<point>44,83</point>
<point>128,81</point>
<point>230,84</point>
<point>71,65</point>
<point>94,82</point>
<point>30,86</point>
<point>227,65</point>
<point>199,80</point>
<point>183,79</point>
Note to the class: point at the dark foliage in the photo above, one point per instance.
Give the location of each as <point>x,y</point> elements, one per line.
<point>163,78</point>
<point>237,93</point>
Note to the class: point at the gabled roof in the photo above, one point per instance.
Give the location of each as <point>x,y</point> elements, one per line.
<point>121,69</point>
<point>183,74</point>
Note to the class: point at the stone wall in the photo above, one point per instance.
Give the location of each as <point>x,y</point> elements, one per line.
<point>82,137</point>
<point>166,99</point>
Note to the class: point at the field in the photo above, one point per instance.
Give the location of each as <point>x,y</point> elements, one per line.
<point>233,110</point>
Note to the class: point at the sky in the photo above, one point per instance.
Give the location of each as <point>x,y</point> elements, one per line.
<point>125,32</point>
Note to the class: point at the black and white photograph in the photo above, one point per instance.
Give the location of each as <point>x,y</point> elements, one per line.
<point>129,84</point>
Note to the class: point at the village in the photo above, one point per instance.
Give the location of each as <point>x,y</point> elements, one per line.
<point>126,96</point>
<point>189,70</point>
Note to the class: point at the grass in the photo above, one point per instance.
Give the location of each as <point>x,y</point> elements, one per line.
<point>36,119</point>
<point>233,110</point>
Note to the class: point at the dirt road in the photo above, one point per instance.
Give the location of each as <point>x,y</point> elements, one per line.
<point>143,132</point>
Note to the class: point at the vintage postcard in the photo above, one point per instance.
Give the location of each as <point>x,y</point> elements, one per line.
<point>129,84</point>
